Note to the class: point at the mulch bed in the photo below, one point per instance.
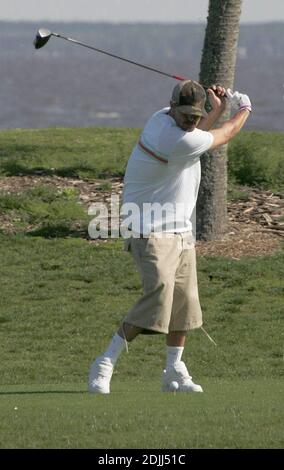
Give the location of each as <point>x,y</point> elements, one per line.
<point>255,221</point>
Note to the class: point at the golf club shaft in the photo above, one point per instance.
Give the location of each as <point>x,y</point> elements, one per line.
<point>176,77</point>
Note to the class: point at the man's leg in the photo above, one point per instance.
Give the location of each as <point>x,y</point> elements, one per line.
<point>175,345</point>
<point>129,332</point>
<point>186,315</point>
<point>176,338</point>
<point>102,369</point>
<point>152,311</point>
<point>175,376</point>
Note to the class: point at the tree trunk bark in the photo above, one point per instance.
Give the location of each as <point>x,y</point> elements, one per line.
<point>217,66</point>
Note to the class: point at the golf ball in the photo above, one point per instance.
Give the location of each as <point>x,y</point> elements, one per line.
<point>173,386</point>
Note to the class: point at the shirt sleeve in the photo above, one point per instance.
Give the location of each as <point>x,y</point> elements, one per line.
<point>181,145</point>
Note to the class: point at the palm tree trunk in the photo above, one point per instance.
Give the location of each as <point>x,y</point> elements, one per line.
<point>217,66</point>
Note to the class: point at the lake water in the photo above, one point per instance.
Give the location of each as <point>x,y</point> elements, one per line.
<point>67,85</point>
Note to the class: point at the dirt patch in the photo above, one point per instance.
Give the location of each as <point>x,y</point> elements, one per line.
<point>255,226</point>
<point>241,240</point>
<point>255,218</point>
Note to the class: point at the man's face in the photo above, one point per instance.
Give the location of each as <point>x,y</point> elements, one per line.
<point>187,122</point>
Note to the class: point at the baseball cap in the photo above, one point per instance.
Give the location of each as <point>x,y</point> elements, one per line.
<point>190,97</point>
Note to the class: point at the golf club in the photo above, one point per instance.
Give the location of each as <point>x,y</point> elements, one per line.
<point>43,35</point>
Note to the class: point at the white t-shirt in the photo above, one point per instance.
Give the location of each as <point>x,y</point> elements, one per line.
<point>164,191</point>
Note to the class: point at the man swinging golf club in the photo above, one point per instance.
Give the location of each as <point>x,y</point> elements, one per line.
<point>164,168</point>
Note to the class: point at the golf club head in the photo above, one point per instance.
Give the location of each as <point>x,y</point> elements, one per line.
<point>41,38</point>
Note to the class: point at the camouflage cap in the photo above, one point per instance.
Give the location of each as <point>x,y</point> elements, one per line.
<point>190,97</point>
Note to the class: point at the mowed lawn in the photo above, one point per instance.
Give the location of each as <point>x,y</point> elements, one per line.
<point>229,414</point>
<point>63,297</point>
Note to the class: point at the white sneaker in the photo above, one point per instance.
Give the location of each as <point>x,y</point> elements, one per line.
<point>100,375</point>
<point>178,379</point>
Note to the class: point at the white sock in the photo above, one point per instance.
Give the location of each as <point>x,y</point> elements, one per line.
<point>115,348</point>
<point>174,354</point>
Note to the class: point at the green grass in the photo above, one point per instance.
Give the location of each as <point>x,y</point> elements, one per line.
<point>89,152</point>
<point>255,158</point>
<point>230,414</point>
<point>237,193</point>
<point>45,211</point>
<point>61,301</point>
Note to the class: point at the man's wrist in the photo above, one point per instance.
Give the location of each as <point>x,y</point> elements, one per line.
<point>245,108</point>
<point>218,110</point>
<point>214,114</point>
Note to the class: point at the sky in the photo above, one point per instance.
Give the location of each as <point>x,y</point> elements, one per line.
<point>253,11</point>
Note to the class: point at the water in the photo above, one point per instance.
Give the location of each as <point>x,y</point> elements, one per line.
<point>67,85</point>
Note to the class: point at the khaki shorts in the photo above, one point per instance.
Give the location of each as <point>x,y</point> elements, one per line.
<point>170,300</point>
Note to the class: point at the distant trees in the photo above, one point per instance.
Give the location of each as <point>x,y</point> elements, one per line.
<point>217,66</point>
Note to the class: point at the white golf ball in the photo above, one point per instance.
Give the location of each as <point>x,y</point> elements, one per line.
<point>173,386</point>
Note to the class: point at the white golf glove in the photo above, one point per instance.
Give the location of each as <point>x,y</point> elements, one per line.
<point>238,100</point>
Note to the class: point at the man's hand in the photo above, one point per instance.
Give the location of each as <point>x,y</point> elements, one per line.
<point>238,100</point>
<point>217,97</point>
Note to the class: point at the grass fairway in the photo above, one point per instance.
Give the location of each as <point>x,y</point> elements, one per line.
<point>90,152</point>
<point>230,414</point>
<point>63,297</point>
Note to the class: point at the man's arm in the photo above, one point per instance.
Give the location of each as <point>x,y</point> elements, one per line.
<point>230,128</point>
<point>206,123</point>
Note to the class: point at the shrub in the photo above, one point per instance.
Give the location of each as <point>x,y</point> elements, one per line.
<point>257,159</point>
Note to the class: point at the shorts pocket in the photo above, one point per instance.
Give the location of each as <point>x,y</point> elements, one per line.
<point>127,244</point>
